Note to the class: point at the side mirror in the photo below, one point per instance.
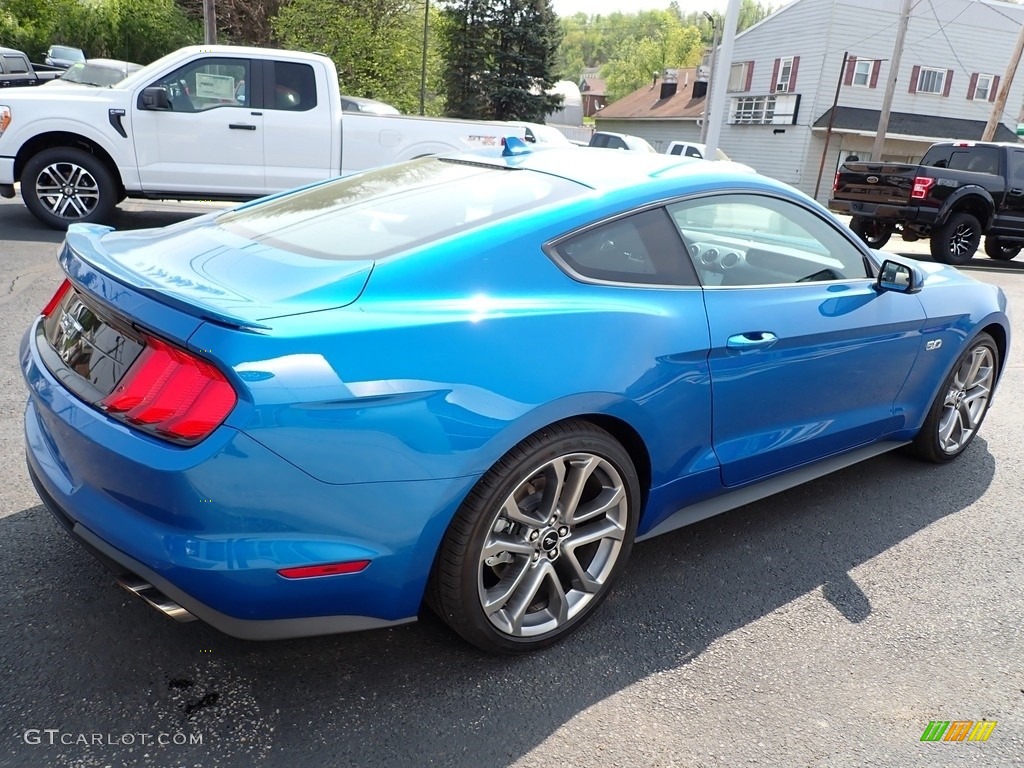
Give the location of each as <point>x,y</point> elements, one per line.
<point>894,276</point>
<point>155,97</point>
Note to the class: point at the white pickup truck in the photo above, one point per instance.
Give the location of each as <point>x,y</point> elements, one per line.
<point>204,123</point>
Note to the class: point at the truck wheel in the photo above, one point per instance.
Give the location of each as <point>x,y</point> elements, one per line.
<point>64,185</point>
<point>871,231</point>
<point>999,249</point>
<point>956,241</point>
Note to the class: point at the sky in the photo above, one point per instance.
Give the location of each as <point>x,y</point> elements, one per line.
<point>569,7</point>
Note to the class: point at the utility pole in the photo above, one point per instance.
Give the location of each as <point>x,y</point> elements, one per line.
<point>1004,90</point>
<point>711,74</point>
<point>890,86</point>
<point>831,122</point>
<point>209,22</point>
<point>720,79</point>
<point>423,67</point>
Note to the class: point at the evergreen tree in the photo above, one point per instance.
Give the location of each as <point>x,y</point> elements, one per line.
<point>500,57</point>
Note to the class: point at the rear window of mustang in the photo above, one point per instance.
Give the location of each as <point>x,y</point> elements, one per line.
<point>393,209</point>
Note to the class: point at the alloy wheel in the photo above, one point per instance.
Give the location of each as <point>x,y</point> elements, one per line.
<point>67,190</point>
<point>553,545</point>
<point>961,240</point>
<point>966,400</point>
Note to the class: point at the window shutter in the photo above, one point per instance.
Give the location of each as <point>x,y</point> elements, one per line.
<point>792,73</point>
<point>775,75</point>
<point>994,89</point>
<point>875,67</point>
<point>949,82</point>
<point>851,68</point>
<point>915,75</point>
<point>750,75</point>
<point>972,86</point>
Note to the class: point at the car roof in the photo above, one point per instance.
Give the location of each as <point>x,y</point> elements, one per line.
<point>616,168</point>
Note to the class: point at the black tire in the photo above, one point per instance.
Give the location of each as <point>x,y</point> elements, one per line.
<point>1000,250</point>
<point>94,193</point>
<point>951,402</point>
<point>505,508</point>
<point>872,231</point>
<point>956,241</point>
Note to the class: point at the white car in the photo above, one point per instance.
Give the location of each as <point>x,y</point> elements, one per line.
<point>693,149</point>
<point>607,140</point>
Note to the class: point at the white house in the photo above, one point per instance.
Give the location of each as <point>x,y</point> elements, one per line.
<point>785,70</point>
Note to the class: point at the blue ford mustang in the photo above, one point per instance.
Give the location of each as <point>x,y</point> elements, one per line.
<point>473,382</point>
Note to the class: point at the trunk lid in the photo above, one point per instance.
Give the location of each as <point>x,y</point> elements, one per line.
<point>211,273</point>
<point>875,182</point>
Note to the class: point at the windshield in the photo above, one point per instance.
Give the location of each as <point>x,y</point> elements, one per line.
<point>394,209</point>
<point>92,74</point>
<point>60,52</point>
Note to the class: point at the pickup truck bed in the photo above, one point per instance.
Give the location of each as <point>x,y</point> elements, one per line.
<point>960,192</point>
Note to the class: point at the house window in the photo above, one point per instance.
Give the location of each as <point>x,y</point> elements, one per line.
<point>984,88</point>
<point>862,72</point>
<point>778,109</point>
<point>752,110</point>
<point>931,80</point>
<point>785,74</point>
<point>740,75</point>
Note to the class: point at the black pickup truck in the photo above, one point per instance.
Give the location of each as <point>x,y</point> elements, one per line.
<point>960,191</point>
<point>17,70</point>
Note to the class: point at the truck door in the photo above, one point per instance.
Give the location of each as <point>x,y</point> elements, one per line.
<point>208,139</point>
<point>299,134</point>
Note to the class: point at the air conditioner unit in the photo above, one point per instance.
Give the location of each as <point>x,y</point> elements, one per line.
<point>781,87</point>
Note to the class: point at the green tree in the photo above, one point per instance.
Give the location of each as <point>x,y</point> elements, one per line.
<point>377,45</point>
<point>500,59</point>
<point>639,58</point>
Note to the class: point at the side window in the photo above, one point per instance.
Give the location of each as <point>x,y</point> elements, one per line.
<point>693,152</point>
<point>15,65</point>
<point>740,240</point>
<point>1017,168</point>
<point>294,87</point>
<point>976,159</point>
<point>642,249</point>
<point>207,84</point>
<point>677,149</point>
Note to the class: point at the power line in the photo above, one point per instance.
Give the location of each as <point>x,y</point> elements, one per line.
<point>942,29</point>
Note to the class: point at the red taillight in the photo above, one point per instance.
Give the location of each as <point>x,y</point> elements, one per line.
<point>52,303</point>
<point>172,393</point>
<point>921,186</point>
<point>332,569</point>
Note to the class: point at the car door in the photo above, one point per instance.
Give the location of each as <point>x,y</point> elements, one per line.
<point>298,131</point>
<point>208,139</point>
<point>806,357</point>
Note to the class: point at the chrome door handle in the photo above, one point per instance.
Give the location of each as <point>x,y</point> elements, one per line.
<point>751,340</point>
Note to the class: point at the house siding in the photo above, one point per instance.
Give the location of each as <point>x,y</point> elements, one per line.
<point>819,31</point>
<point>659,133</point>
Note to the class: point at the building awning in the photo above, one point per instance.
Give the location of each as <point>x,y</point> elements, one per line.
<point>909,127</point>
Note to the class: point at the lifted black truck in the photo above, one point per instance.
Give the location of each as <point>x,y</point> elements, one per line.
<point>960,191</point>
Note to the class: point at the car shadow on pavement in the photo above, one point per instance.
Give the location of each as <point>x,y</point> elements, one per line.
<point>418,695</point>
<point>16,223</point>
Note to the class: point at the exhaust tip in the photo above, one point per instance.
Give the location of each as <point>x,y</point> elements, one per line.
<point>154,597</point>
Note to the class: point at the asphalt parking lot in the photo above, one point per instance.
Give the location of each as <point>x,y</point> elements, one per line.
<point>825,626</point>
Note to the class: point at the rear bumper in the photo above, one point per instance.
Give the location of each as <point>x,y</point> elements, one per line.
<point>210,526</point>
<point>887,211</point>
